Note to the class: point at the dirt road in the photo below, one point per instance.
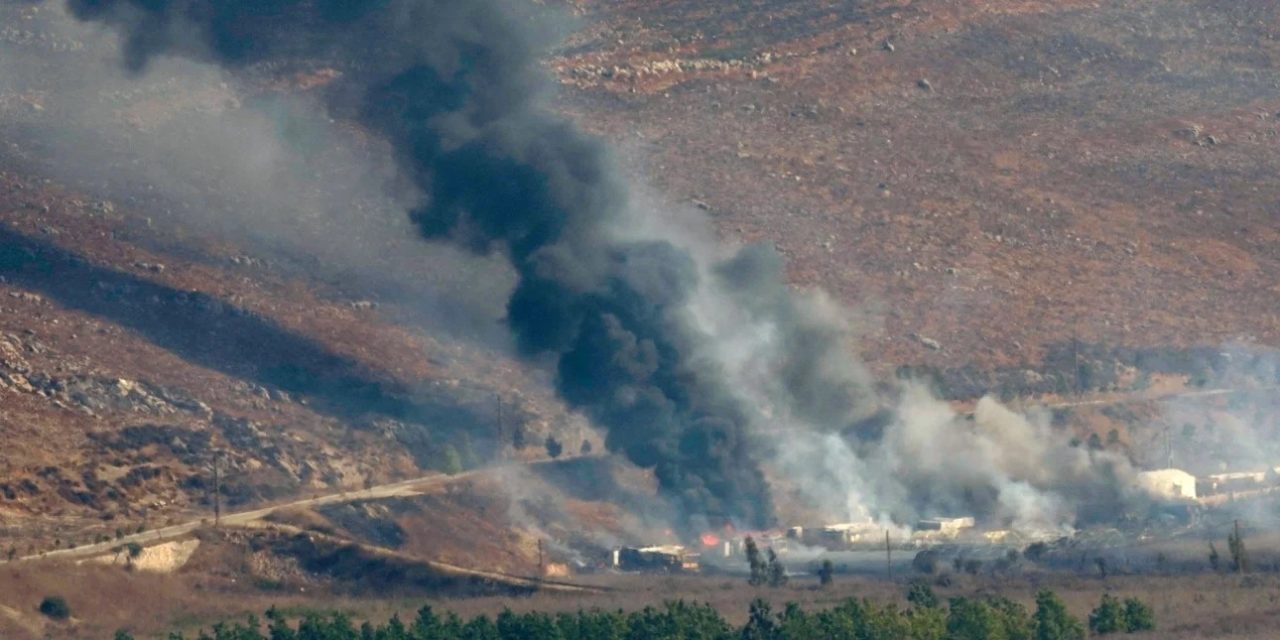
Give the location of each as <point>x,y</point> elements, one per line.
<point>409,487</point>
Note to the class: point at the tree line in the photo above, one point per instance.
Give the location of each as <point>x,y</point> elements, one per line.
<point>926,618</point>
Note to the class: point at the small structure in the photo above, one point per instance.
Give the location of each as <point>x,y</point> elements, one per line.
<point>946,526</point>
<point>1232,482</point>
<point>845,534</point>
<point>1168,484</point>
<point>666,558</point>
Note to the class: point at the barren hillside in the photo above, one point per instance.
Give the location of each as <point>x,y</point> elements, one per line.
<point>980,182</point>
<point>983,178</point>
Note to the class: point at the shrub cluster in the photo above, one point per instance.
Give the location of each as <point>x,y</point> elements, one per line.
<point>926,619</point>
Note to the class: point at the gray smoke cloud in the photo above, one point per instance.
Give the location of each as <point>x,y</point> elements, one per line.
<point>696,358</point>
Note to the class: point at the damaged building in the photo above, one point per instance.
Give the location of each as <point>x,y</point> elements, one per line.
<point>665,558</point>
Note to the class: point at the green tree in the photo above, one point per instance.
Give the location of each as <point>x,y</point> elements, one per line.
<point>1052,621</point>
<point>585,449</point>
<point>1108,617</point>
<point>969,619</point>
<point>920,594</point>
<point>55,607</point>
<point>554,448</point>
<point>1239,556</point>
<point>756,563</point>
<point>760,623</point>
<point>777,572</point>
<point>1138,616</point>
<point>826,573</point>
<point>122,634</point>
<point>1095,442</point>
<point>449,461</point>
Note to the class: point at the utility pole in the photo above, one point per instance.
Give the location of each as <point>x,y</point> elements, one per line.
<point>501,447</point>
<point>1168,447</point>
<point>541,567</point>
<point>888,555</point>
<point>217,490</point>
<point>1075,362</point>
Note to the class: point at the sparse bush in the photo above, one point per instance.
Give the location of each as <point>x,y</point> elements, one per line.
<point>826,573</point>
<point>121,634</point>
<point>972,566</point>
<point>1035,551</point>
<point>1215,560</point>
<point>554,448</point>
<point>926,562</point>
<point>921,595</point>
<point>134,550</point>
<point>585,449</point>
<point>55,607</point>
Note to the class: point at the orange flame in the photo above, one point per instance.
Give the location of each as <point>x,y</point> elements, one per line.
<point>710,539</point>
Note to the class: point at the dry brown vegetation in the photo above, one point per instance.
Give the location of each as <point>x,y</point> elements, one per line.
<point>1187,606</point>
<point>997,177</point>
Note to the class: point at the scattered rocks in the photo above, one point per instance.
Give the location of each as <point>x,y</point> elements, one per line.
<point>364,305</point>
<point>153,267</point>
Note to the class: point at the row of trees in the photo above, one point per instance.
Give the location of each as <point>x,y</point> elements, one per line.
<point>925,619</point>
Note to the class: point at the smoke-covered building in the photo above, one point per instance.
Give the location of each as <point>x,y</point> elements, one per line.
<point>945,526</point>
<point>1168,484</point>
<point>666,558</point>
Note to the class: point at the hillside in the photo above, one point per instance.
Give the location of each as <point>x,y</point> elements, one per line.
<point>981,183</point>
<point>994,176</point>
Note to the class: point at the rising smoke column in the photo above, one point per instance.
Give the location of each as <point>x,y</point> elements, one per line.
<point>454,86</point>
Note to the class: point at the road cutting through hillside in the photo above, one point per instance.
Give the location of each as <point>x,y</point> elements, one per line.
<point>403,488</point>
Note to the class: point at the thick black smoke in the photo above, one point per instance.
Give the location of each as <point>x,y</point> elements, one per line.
<point>455,86</point>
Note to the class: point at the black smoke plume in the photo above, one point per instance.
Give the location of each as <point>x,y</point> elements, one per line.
<point>455,87</point>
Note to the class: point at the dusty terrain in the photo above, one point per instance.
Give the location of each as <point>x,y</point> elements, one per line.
<point>997,177</point>
<point>999,191</point>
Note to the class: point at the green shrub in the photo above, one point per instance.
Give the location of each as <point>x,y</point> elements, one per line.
<point>1108,617</point>
<point>55,607</point>
<point>1138,616</point>
<point>1052,621</point>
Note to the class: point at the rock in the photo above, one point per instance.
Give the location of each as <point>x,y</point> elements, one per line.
<point>153,267</point>
<point>364,305</point>
<point>888,46</point>
<point>924,83</point>
<point>932,344</point>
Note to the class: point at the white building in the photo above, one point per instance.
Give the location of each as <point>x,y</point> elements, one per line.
<point>1168,484</point>
<point>949,526</point>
